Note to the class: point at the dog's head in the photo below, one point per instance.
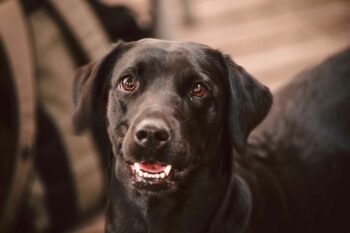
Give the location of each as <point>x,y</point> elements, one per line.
<point>172,108</point>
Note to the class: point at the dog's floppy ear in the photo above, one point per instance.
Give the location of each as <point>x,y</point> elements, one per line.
<point>90,87</point>
<point>84,93</point>
<point>249,103</point>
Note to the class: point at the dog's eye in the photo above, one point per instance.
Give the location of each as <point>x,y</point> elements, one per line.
<point>198,90</point>
<point>128,84</point>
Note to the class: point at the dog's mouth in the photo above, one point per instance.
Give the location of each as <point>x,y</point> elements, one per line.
<point>153,178</point>
<point>151,171</point>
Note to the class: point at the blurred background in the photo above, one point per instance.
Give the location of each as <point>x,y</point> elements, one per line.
<point>54,181</point>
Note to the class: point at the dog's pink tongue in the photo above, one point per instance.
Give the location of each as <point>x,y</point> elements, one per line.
<point>152,167</point>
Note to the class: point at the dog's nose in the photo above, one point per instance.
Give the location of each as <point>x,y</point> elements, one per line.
<point>152,133</point>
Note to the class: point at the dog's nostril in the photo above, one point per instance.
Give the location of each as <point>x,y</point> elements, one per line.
<point>161,136</point>
<point>141,135</point>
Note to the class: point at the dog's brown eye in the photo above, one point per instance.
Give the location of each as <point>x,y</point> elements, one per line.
<point>198,90</point>
<point>128,83</point>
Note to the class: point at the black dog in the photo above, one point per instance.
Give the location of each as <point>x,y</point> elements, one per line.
<point>178,118</point>
<point>304,144</point>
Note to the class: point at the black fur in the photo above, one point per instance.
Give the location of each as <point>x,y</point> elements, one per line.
<point>305,143</point>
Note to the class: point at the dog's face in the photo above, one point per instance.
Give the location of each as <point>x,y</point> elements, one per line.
<point>173,109</point>
<point>165,107</point>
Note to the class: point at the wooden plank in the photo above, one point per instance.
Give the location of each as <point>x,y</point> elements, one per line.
<point>277,30</point>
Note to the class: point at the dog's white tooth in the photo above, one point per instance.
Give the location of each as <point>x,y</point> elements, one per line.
<point>145,174</point>
<point>157,176</point>
<point>153,176</point>
<point>167,170</point>
<point>162,175</point>
<point>137,167</point>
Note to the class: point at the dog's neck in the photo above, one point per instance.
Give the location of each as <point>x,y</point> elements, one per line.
<point>258,169</point>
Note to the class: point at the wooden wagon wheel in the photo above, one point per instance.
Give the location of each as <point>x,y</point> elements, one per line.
<point>17,72</point>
